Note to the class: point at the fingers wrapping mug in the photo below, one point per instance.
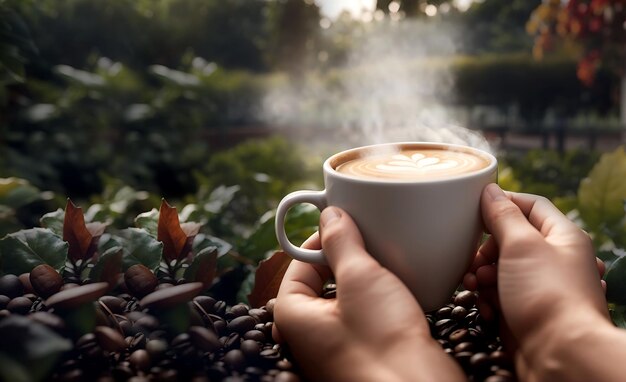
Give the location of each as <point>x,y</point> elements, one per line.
<point>416,204</point>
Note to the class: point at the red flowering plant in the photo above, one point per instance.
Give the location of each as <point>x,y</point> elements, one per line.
<point>597,26</point>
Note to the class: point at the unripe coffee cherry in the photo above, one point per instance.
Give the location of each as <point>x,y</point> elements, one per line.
<point>140,280</point>
<point>45,280</point>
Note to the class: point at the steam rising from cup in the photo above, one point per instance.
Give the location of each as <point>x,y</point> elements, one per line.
<point>393,87</point>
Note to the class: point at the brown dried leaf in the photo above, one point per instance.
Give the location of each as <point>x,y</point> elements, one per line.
<point>176,242</point>
<point>268,277</point>
<point>82,242</point>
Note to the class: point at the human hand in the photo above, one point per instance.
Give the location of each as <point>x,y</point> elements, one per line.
<point>539,269</point>
<point>374,329</point>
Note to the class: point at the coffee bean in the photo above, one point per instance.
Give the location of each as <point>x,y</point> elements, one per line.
<point>459,336</point>
<point>443,313</point>
<point>269,306</point>
<point>464,347</point>
<point>20,305</point>
<point>445,332</point>
<point>250,348</point>
<point>261,315</point>
<point>4,313</point>
<point>204,339</point>
<point>217,372</point>
<point>270,354</point>
<point>254,371</point>
<point>231,341</point>
<point>138,378</point>
<point>255,335</point>
<point>498,378</point>
<point>463,358</point>
<point>504,373</point>
<point>4,301</point>
<point>207,303</point>
<point>235,359</point>
<point>170,375</point>
<point>140,360</point>
<point>140,280</point>
<point>443,323</point>
<point>284,364</point>
<point>138,342</point>
<point>114,304</point>
<point>75,297</point>
<point>219,307</point>
<point>330,294</point>
<point>25,280</point>
<point>170,297</point>
<point>286,376</point>
<point>110,339</point>
<point>465,299</point>
<point>147,322</point>
<point>241,324</point>
<point>500,358</point>
<point>45,280</point>
<point>236,311</point>
<point>480,361</point>
<point>458,313</point>
<point>220,326</point>
<point>156,348</point>
<point>11,286</point>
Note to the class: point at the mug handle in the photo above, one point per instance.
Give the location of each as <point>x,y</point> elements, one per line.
<point>318,199</point>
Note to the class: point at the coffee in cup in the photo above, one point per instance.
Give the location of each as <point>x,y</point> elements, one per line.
<point>411,163</point>
<point>417,206</point>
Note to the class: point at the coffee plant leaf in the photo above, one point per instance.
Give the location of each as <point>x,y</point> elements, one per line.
<point>203,267</point>
<point>176,243</point>
<point>54,221</point>
<point>148,221</point>
<point>602,193</point>
<point>29,350</point>
<point>616,281</point>
<point>15,192</point>
<point>82,238</point>
<point>108,267</point>
<point>202,241</point>
<point>140,248</point>
<point>108,241</point>
<point>80,319</point>
<point>23,250</point>
<point>268,277</point>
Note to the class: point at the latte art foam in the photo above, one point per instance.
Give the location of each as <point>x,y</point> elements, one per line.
<point>415,164</point>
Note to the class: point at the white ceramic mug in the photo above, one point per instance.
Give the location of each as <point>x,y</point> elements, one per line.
<point>424,231</point>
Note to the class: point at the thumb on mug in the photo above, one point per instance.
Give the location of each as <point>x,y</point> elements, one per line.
<point>344,247</point>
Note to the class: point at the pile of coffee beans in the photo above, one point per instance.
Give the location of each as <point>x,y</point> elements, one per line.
<point>132,342</point>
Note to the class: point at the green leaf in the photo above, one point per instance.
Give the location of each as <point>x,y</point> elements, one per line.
<point>108,241</point>
<point>203,267</point>
<point>601,195</point>
<point>24,250</point>
<point>301,222</point>
<point>618,315</point>
<point>616,281</point>
<point>15,192</point>
<point>203,241</point>
<point>54,221</point>
<point>26,343</point>
<point>108,267</point>
<point>148,221</point>
<point>140,248</point>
